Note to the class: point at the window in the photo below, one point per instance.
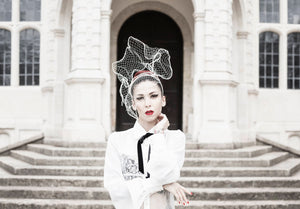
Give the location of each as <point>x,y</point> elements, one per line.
<point>29,57</point>
<point>294,11</point>
<point>26,69</point>
<point>268,60</point>
<point>5,10</point>
<point>30,10</point>
<point>294,61</point>
<point>269,11</point>
<point>5,57</point>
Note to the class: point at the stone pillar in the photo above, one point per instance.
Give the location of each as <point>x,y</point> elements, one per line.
<point>84,94</point>
<point>106,68</point>
<point>245,92</point>
<point>199,58</point>
<point>48,68</point>
<point>58,85</point>
<point>218,98</point>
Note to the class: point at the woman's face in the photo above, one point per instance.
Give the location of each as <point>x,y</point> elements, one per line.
<point>148,101</point>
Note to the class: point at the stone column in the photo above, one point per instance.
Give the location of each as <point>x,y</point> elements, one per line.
<point>106,68</point>
<point>48,68</point>
<point>84,94</point>
<point>244,93</point>
<point>58,85</point>
<point>218,88</point>
<point>199,58</point>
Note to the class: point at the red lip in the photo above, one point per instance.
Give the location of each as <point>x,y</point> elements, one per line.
<point>149,112</point>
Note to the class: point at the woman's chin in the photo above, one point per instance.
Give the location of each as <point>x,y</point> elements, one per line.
<point>149,119</point>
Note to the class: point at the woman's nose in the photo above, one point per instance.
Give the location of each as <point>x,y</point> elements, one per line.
<point>147,102</point>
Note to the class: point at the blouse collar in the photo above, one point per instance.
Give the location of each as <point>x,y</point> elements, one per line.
<point>139,131</point>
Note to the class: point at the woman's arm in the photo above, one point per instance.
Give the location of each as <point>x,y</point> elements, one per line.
<point>177,147</point>
<point>167,153</point>
<point>179,192</point>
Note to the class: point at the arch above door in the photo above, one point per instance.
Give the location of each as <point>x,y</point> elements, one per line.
<point>186,28</point>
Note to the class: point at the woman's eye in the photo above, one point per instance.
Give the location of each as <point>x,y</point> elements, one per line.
<point>154,95</point>
<point>139,98</point>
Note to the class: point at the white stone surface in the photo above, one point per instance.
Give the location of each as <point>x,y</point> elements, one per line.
<point>222,101</point>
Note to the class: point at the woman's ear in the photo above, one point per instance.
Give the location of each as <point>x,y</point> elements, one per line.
<point>133,106</point>
<point>163,101</point>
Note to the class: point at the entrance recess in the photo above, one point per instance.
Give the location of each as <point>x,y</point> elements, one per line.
<point>156,30</point>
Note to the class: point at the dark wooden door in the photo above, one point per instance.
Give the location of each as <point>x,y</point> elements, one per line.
<point>156,30</point>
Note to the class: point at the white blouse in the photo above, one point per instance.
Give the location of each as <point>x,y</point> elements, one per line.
<point>127,186</point>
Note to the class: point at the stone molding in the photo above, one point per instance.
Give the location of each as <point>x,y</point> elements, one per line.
<point>199,16</point>
<point>253,91</point>
<point>232,83</point>
<point>242,34</point>
<point>47,87</point>
<point>59,32</point>
<point>105,14</point>
<point>85,76</point>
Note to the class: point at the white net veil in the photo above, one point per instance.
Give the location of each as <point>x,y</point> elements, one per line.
<point>140,57</point>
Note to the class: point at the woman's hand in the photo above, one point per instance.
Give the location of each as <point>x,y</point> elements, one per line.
<point>179,192</point>
<point>162,124</point>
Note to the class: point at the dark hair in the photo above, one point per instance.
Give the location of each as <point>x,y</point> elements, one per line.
<point>146,77</point>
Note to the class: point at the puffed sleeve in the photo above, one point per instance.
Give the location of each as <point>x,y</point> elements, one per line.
<point>167,156</point>
<point>113,179</point>
<point>120,190</point>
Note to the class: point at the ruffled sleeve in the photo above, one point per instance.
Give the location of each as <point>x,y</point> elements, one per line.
<point>113,179</point>
<point>167,157</point>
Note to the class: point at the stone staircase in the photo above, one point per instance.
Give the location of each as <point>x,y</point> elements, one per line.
<point>48,176</point>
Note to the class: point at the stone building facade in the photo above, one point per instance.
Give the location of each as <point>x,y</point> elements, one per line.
<point>228,96</point>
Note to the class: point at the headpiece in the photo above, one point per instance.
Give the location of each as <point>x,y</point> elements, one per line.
<point>154,62</point>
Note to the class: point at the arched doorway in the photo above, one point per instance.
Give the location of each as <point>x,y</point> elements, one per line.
<point>157,30</point>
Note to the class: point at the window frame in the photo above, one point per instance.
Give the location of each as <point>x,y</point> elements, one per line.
<point>283,29</point>
<point>265,66</point>
<point>10,13</point>
<point>292,67</point>
<point>3,75</point>
<point>266,12</point>
<point>16,26</point>
<point>27,65</point>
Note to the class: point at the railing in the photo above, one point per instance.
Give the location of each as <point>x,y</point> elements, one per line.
<point>21,143</point>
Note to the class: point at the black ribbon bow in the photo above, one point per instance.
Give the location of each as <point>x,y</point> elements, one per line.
<point>140,153</point>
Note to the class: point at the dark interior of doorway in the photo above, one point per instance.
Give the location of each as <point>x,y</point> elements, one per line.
<point>156,30</point>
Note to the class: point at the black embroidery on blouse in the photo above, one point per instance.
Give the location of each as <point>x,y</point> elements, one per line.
<point>130,169</point>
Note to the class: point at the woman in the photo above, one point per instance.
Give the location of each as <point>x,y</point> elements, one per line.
<point>142,164</point>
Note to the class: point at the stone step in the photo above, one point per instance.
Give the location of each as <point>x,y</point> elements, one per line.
<point>83,144</point>
<point>239,182</point>
<point>192,182</point>
<point>217,146</point>
<point>242,204</point>
<point>91,193</point>
<point>52,181</point>
<point>63,151</point>
<point>232,153</point>
<point>245,193</point>
<point>40,159</point>
<point>264,160</point>
<point>18,167</point>
<point>285,168</point>
<point>99,193</point>
<point>12,203</point>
